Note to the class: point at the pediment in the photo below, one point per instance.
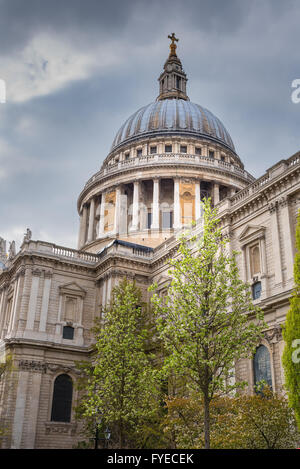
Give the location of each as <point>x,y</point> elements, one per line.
<point>162,279</point>
<point>72,288</point>
<point>251,232</point>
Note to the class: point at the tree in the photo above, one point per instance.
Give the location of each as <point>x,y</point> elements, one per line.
<point>291,335</point>
<point>260,421</point>
<point>207,320</point>
<point>120,388</point>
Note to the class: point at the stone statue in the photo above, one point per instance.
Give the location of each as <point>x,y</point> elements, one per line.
<point>12,250</point>
<point>27,236</point>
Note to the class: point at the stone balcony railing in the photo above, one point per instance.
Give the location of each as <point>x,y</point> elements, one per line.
<point>170,159</point>
<point>271,173</point>
<point>61,252</point>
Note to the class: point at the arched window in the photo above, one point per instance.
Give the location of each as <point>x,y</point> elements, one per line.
<point>62,399</point>
<point>262,366</point>
<point>255,260</point>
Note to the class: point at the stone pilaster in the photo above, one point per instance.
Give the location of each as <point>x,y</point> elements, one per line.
<point>35,281</point>
<point>275,243</point>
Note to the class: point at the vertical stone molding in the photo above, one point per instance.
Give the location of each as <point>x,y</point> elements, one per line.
<point>155,205</point>
<point>91,220</point>
<point>177,218</point>
<point>45,301</point>
<point>35,281</point>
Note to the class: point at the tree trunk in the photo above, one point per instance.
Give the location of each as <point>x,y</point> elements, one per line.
<point>206,423</point>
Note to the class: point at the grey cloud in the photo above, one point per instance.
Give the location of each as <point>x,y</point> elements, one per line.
<point>240,58</point>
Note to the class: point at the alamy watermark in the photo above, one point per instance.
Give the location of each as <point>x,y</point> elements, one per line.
<point>296,353</point>
<point>295,96</point>
<point>2,91</point>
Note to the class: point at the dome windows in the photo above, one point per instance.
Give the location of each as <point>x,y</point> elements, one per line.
<point>183,148</point>
<point>168,149</point>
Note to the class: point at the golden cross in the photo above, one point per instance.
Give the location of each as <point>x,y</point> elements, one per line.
<point>173,45</point>
<point>173,38</point>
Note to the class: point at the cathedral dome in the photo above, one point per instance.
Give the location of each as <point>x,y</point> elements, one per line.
<point>172,116</point>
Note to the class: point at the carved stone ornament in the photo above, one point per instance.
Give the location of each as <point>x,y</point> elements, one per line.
<point>274,335</point>
<point>60,428</point>
<point>43,367</point>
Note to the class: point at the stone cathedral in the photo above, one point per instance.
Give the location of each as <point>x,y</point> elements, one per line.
<point>164,159</point>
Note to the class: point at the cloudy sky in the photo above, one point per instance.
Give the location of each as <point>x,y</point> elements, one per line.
<point>76,69</point>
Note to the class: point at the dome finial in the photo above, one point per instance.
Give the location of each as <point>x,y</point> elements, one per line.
<point>173,46</point>
<point>172,81</point>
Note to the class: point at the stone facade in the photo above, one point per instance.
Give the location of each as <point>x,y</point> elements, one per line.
<point>131,213</point>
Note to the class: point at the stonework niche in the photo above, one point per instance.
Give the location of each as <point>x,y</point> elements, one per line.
<point>70,312</point>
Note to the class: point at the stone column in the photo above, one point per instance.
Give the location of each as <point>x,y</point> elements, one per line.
<point>91,220</point>
<point>155,205</point>
<point>45,301</point>
<point>216,192</point>
<point>117,221</point>
<point>177,220</point>
<point>197,200</point>
<point>135,206</point>
<point>102,213</point>
<point>82,229</point>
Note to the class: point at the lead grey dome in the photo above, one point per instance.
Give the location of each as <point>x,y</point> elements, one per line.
<point>172,117</point>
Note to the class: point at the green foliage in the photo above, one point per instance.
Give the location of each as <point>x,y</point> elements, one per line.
<point>207,320</point>
<point>291,335</point>
<point>119,389</point>
<point>242,422</point>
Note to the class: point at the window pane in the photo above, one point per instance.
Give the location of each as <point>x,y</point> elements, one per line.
<point>62,399</point>
<point>167,219</point>
<point>262,367</point>
<point>256,290</point>
<point>183,149</point>
<point>68,332</point>
<point>168,148</point>
<point>153,150</point>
